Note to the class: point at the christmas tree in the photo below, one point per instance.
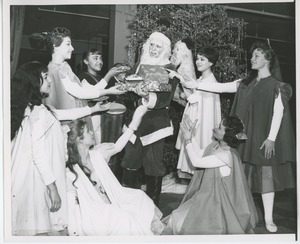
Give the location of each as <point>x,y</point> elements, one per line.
<point>205,25</point>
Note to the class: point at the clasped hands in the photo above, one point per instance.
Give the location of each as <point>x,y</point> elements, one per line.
<point>188,128</point>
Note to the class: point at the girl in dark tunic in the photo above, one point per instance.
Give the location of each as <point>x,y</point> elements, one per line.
<point>261,102</point>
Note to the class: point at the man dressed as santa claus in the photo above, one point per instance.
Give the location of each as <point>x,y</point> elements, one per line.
<point>145,149</point>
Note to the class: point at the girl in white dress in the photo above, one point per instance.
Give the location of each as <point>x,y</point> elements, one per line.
<point>97,203</point>
<point>207,108</point>
<point>38,183</point>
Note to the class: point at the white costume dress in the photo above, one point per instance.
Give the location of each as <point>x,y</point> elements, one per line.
<point>208,112</point>
<point>118,211</point>
<point>38,159</point>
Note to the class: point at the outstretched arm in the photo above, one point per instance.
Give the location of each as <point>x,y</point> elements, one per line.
<point>110,149</point>
<point>76,113</point>
<point>229,87</point>
<point>187,128</point>
<point>134,124</point>
<point>211,161</point>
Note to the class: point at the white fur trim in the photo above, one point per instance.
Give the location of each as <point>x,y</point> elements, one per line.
<point>133,136</point>
<point>157,135</point>
<point>152,100</point>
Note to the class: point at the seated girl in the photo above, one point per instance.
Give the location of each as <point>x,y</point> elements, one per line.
<point>97,203</point>
<point>218,199</point>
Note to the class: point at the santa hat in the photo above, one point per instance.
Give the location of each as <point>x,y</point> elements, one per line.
<point>160,36</point>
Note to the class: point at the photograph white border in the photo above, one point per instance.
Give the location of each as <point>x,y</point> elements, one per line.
<point>5,71</point>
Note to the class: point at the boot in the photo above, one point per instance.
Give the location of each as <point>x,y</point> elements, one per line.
<point>131,178</point>
<point>154,188</point>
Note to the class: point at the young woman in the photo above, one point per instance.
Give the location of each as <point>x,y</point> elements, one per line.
<point>206,109</point>
<point>67,91</point>
<point>38,154</point>
<point>261,102</point>
<point>92,64</point>
<point>218,199</point>
<point>97,203</point>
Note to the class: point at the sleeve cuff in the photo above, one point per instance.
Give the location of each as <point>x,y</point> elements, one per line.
<point>101,84</point>
<point>132,137</point>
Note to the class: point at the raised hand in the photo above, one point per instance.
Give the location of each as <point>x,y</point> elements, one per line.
<point>188,127</point>
<point>173,74</point>
<point>117,70</point>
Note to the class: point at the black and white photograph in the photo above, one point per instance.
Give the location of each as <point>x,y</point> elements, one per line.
<point>149,121</point>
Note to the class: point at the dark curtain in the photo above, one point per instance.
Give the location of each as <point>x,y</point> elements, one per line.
<point>17,14</point>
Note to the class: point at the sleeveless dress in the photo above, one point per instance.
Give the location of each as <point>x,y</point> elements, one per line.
<point>253,104</point>
<point>208,113</point>
<point>215,204</point>
<point>58,97</point>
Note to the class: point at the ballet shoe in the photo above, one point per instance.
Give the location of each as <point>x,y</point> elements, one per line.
<point>271,227</point>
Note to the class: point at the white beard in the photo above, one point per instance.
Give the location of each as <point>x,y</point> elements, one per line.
<point>147,59</point>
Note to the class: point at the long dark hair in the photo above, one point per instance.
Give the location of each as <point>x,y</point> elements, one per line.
<point>76,131</point>
<point>25,90</point>
<point>270,56</point>
<point>233,126</point>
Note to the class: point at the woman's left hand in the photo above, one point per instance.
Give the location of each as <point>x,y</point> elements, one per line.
<point>269,148</point>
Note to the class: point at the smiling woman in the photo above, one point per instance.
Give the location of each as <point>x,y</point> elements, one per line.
<point>262,102</point>
<point>67,91</point>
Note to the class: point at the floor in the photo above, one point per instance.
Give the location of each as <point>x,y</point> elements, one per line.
<point>285,214</point>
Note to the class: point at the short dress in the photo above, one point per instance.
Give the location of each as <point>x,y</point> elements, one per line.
<point>253,104</point>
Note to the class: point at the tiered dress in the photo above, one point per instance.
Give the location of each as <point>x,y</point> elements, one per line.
<point>254,104</point>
